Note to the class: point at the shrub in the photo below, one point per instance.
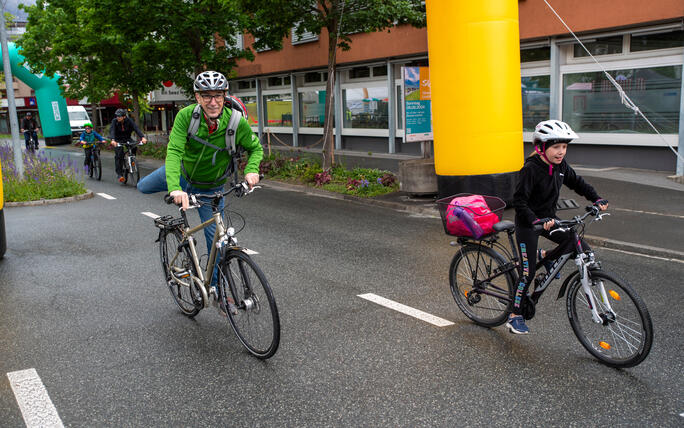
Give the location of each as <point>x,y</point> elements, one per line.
<point>43,178</point>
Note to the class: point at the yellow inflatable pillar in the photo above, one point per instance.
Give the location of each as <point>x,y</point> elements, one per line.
<point>474,52</point>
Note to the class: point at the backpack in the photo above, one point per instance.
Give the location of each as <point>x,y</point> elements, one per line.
<point>237,112</point>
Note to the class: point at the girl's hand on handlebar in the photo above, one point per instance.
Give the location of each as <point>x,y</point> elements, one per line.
<point>547,223</point>
<point>180,198</point>
<point>602,204</point>
<point>252,178</point>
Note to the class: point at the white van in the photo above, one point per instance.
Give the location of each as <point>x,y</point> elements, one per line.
<point>78,116</point>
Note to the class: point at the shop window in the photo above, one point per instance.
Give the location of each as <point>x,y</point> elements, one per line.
<point>278,110</point>
<point>535,100</point>
<point>365,107</point>
<point>649,42</point>
<point>535,54</point>
<point>250,103</point>
<point>315,77</point>
<point>278,81</point>
<point>602,46</point>
<point>360,73</point>
<point>246,84</point>
<point>380,70</point>
<point>312,109</point>
<point>592,104</point>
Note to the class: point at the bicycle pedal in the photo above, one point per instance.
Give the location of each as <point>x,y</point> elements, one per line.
<point>181,275</point>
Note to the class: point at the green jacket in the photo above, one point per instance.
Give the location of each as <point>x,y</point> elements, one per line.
<point>197,158</point>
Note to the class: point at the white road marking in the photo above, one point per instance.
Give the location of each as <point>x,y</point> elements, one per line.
<point>649,212</point>
<point>34,401</point>
<point>643,255</point>
<point>106,196</point>
<point>612,168</point>
<point>424,316</point>
<point>149,214</point>
<point>249,252</point>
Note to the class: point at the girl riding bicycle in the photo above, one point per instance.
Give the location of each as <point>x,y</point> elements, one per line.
<point>535,198</point>
<point>87,140</point>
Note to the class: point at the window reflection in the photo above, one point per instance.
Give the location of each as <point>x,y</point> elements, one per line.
<point>365,107</point>
<point>312,109</point>
<point>251,104</point>
<point>592,104</point>
<point>535,100</point>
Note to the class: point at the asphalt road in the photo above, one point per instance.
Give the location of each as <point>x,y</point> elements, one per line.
<point>83,303</point>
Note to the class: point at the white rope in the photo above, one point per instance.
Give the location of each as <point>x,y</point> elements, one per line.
<point>624,99</point>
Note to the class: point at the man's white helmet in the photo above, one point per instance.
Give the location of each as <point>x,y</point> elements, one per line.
<point>553,131</point>
<point>210,81</point>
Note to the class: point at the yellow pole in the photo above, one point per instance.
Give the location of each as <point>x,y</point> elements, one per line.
<point>474,52</point>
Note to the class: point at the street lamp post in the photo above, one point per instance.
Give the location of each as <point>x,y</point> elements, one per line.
<point>11,105</point>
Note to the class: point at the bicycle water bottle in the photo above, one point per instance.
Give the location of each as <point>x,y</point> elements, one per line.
<point>470,223</point>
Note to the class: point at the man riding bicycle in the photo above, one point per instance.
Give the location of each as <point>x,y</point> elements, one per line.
<point>29,126</point>
<point>120,132</point>
<point>201,163</point>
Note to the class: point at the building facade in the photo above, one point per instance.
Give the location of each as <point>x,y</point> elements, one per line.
<point>641,48</point>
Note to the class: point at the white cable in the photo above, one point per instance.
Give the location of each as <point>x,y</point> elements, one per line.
<point>623,96</point>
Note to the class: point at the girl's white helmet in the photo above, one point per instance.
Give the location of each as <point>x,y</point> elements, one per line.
<point>552,130</point>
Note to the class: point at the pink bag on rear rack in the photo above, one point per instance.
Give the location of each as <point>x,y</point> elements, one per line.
<point>470,216</point>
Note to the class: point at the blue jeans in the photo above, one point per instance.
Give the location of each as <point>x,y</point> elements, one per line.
<point>156,182</point>
<point>27,137</point>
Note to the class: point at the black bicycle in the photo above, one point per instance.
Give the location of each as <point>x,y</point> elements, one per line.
<point>32,145</point>
<point>95,162</point>
<point>130,164</point>
<point>244,295</point>
<point>608,317</point>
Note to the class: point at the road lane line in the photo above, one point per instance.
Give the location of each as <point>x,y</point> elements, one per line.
<point>34,401</point>
<point>649,212</point>
<point>149,214</point>
<point>643,255</point>
<point>106,196</point>
<point>423,316</point>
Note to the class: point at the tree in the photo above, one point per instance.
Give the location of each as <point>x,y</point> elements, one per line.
<point>100,47</point>
<point>271,21</point>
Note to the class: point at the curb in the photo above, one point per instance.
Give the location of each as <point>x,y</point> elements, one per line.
<point>87,195</point>
<point>596,241</point>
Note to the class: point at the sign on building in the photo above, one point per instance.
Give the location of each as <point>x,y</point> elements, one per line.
<point>417,108</point>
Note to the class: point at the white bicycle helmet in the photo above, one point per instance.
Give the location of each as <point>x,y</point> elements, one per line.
<point>552,130</point>
<point>210,81</point>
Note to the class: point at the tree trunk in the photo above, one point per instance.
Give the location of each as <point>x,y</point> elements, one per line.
<point>136,111</point>
<point>328,141</point>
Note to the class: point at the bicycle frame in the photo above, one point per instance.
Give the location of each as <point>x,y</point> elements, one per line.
<point>584,261</point>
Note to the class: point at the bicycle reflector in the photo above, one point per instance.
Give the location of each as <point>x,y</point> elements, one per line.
<point>604,345</point>
<point>614,294</point>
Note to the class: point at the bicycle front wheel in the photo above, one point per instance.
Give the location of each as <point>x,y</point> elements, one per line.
<point>252,312</point>
<point>178,270</point>
<point>481,291</point>
<point>625,335</point>
<point>135,172</point>
<point>97,167</point>
<point>91,167</point>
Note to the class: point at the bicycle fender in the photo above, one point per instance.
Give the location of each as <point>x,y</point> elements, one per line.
<point>245,250</point>
<point>564,287</point>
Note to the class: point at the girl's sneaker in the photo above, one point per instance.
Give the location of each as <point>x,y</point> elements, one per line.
<point>517,325</point>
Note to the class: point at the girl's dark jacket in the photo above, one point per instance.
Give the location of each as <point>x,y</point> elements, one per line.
<point>537,192</point>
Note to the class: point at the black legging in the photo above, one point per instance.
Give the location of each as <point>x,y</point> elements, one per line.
<point>527,240</point>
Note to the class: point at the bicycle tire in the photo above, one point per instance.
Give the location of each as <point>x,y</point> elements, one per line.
<point>135,172</point>
<point>622,342</point>
<point>91,167</point>
<point>187,297</point>
<point>467,266</point>
<point>98,167</point>
<point>257,329</point>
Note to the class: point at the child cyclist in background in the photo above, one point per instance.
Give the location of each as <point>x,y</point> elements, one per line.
<point>536,194</point>
<point>87,140</point>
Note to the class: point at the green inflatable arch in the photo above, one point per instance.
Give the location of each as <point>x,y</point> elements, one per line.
<point>52,108</point>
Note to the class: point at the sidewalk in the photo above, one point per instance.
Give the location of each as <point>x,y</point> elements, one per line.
<point>648,207</point>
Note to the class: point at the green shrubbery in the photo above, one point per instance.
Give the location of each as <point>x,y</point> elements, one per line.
<point>43,178</point>
<point>308,170</point>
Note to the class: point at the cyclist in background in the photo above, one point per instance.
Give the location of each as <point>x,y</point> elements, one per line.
<point>120,132</point>
<point>29,127</point>
<point>192,165</point>
<point>535,197</point>
<point>87,140</point>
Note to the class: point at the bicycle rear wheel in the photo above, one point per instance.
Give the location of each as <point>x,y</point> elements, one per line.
<point>178,270</point>
<point>470,279</point>
<point>254,314</point>
<point>622,340</point>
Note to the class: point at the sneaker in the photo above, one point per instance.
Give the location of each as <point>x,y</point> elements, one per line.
<point>121,179</point>
<point>516,325</point>
<point>215,302</point>
<point>547,264</point>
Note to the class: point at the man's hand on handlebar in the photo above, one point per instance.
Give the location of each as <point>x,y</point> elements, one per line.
<point>602,204</point>
<point>180,198</point>
<point>252,179</point>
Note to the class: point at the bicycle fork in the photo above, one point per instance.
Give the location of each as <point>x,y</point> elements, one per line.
<point>583,266</point>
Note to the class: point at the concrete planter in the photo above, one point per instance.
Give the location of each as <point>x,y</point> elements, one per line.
<point>417,176</point>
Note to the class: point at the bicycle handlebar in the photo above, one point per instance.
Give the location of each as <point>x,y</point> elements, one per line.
<point>240,189</point>
<point>564,224</point>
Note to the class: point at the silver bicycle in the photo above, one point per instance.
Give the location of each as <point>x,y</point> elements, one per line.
<point>242,293</point>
